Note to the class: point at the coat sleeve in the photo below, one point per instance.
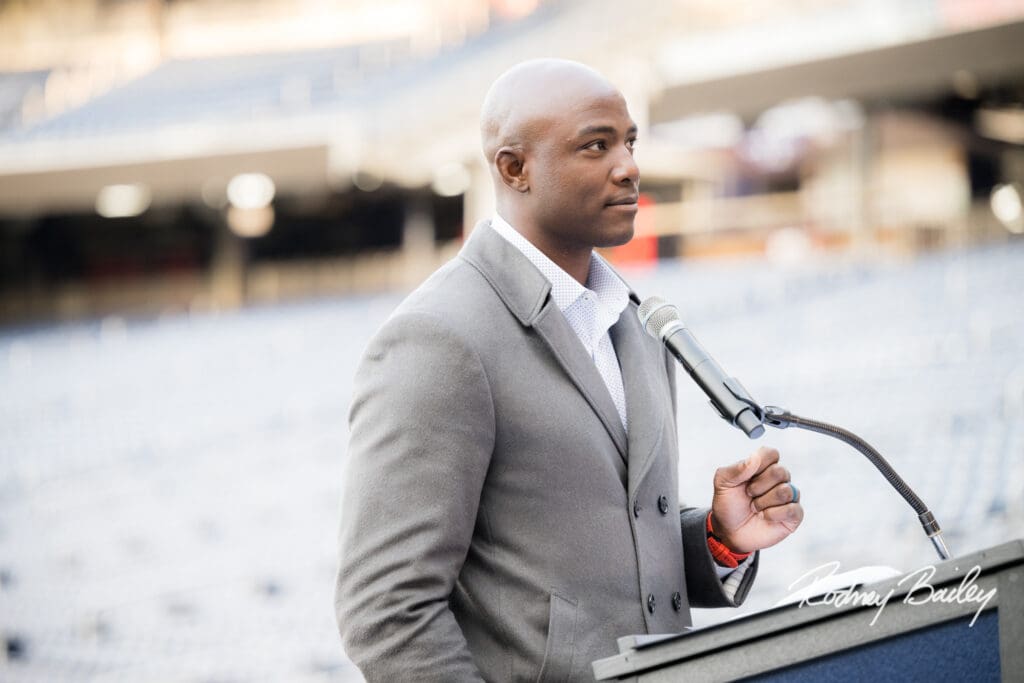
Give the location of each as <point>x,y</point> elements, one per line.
<point>703,585</point>
<point>421,437</point>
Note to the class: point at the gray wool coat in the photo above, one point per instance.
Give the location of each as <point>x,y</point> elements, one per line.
<point>497,522</point>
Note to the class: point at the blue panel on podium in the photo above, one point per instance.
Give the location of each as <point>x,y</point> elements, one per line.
<point>950,651</point>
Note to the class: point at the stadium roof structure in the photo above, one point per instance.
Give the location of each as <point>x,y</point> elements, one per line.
<point>914,68</point>
<point>311,118</point>
<point>222,89</point>
<point>315,119</point>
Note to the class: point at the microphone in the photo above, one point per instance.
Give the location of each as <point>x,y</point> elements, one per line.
<point>728,397</point>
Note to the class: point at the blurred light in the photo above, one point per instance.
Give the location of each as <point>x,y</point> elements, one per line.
<point>251,222</point>
<point>451,180</point>
<point>123,201</point>
<point>1006,124</point>
<point>367,182</point>
<point>251,191</point>
<point>1006,205</point>
<point>788,246</point>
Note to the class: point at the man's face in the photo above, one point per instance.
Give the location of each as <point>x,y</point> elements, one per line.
<point>583,179</point>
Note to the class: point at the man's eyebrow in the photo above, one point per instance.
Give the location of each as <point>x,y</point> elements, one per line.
<point>607,130</point>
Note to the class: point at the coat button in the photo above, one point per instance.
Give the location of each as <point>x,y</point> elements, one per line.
<point>636,507</point>
<point>650,603</point>
<point>677,601</point>
<point>663,504</point>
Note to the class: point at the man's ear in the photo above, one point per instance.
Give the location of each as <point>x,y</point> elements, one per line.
<point>511,163</point>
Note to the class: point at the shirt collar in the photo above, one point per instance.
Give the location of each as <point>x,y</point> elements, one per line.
<point>610,290</point>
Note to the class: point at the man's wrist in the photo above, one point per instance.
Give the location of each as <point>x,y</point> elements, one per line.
<point>720,551</point>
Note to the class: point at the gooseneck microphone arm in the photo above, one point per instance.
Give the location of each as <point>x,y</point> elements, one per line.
<point>782,418</point>
<point>734,404</point>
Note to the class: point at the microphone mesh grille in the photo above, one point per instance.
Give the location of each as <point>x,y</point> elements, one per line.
<point>657,312</point>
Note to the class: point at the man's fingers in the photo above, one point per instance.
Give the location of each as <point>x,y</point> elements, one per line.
<point>767,479</point>
<point>792,512</point>
<point>778,495</point>
<point>768,456</point>
<point>734,475</point>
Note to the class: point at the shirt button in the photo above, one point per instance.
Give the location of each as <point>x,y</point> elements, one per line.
<point>677,601</point>
<point>650,603</point>
<point>636,507</point>
<point>663,504</point>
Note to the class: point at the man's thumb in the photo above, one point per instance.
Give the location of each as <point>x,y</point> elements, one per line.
<point>740,473</point>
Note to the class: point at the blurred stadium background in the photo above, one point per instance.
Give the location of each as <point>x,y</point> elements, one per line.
<point>207,206</point>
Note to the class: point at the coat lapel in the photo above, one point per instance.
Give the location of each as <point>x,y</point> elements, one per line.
<point>525,291</point>
<point>553,328</point>
<point>641,382</point>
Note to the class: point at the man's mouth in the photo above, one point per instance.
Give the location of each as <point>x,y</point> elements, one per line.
<point>629,200</point>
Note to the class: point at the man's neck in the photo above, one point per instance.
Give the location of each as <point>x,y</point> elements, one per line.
<point>573,259</point>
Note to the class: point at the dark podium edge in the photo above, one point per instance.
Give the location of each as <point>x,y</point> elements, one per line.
<point>841,628</point>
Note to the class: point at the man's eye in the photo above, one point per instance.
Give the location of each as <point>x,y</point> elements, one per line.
<point>597,145</point>
<point>631,143</point>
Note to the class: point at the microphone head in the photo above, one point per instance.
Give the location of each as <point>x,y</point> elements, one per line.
<point>655,314</point>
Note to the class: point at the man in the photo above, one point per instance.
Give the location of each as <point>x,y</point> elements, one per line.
<point>510,507</point>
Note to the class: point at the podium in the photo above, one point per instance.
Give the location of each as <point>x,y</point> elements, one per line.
<point>923,632</point>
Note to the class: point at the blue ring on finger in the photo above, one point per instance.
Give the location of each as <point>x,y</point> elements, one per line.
<point>796,493</point>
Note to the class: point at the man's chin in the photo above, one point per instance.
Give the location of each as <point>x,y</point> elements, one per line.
<point>616,237</point>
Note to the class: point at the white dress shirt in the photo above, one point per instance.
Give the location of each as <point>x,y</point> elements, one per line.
<point>590,311</point>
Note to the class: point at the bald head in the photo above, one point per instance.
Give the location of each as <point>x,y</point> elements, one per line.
<point>529,95</point>
<point>558,140</point>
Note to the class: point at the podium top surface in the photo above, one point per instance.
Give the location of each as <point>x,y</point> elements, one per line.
<point>640,653</point>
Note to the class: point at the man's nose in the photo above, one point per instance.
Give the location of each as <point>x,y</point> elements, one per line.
<point>626,170</point>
